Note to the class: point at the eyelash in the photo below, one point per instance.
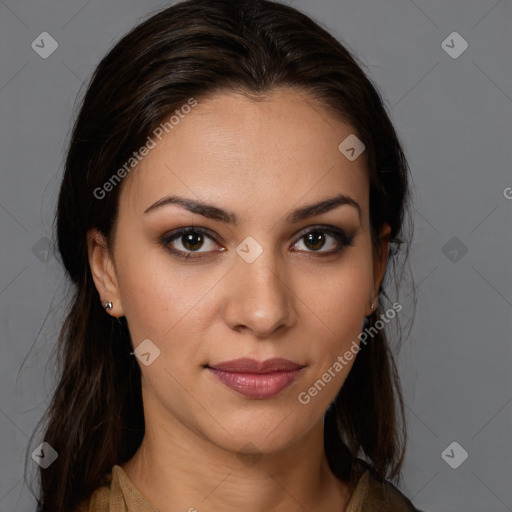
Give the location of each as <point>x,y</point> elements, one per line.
<point>344,240</point>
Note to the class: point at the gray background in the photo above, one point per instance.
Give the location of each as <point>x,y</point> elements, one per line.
<point>454,118</point>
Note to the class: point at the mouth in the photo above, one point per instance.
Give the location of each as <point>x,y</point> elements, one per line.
<point>256,379</point>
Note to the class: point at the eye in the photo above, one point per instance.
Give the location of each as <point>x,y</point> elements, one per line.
<point>316,239</point>
<point>187,243</point>
<point>190,239</point>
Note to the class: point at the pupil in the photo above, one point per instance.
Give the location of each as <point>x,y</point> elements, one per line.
<point>192,239</point>
<point>315,238</point>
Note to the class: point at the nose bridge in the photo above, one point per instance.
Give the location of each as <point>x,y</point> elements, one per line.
<point>259,298</point>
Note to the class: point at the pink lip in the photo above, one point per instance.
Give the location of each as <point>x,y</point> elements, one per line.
<point>256,379</point>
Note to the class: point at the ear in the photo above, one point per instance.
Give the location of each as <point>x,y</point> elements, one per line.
<point>380,261</point>
<point>103,271</point>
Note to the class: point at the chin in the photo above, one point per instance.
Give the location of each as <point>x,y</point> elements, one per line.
<point>260,432</point>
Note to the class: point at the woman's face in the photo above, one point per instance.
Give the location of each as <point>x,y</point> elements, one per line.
<point>261,275</point>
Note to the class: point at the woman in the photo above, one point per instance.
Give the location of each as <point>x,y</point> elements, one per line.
<point>233,195</point>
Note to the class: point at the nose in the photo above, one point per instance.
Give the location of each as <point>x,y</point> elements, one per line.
<point>259,296</point>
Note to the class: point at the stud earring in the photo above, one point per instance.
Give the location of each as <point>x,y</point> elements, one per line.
<point>107,305</point>
<point>372,305</point>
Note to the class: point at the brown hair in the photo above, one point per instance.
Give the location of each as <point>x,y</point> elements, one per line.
<point>193,49</point>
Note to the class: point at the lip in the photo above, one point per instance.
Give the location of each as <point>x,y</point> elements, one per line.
<point>256,379</point>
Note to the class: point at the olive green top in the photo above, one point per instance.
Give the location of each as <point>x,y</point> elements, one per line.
<point>119,494</point>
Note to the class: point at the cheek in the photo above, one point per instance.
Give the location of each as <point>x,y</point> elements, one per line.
<point>153,298</point>
<point>341,307</point>
<point>164,302</point>
<point>345,293</point>
<point>340,304</point>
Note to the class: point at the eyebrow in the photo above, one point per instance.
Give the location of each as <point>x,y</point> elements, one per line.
<point>215,213</point>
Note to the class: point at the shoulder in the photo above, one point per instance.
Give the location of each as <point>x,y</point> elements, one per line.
<point>116,494</point>
<point>378,495</point>
<point>383,496</point>
<point>100,499</point>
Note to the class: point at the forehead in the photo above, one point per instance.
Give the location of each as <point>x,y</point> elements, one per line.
<point>281,149</point>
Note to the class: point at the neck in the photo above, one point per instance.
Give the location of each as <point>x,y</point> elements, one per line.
<point>178,470</point>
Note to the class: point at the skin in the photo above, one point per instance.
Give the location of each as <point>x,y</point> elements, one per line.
<point>261,160</point>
